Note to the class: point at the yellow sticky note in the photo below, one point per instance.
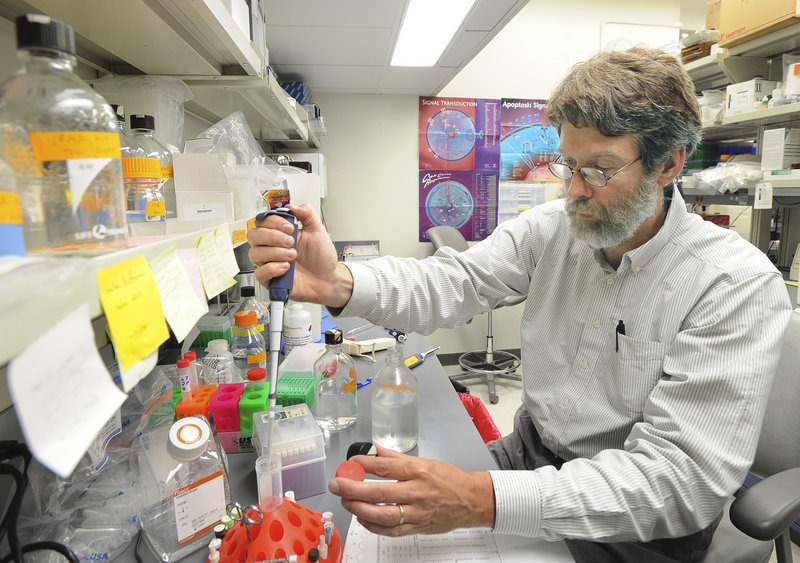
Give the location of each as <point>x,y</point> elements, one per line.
<point>212,269</point>
<point>130,300</point>
<point>222,239</point>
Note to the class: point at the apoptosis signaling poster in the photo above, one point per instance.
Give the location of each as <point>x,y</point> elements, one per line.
<point>527,143</point>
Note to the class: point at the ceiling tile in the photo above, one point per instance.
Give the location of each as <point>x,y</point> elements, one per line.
<point>367,13</point>
<point>325,78</point>
<point>462,48</point>
<point>487,13</point>
<point>423,80</point>
<point>328,45</point>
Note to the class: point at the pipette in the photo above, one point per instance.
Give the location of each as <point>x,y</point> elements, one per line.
<point>279,289</point>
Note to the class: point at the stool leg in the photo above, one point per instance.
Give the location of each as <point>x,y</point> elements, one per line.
<point>493,398</point>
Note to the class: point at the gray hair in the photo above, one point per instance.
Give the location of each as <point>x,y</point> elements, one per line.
<point>642,92</point>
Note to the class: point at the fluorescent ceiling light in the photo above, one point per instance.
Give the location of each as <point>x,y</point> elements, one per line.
<point>427,29</point>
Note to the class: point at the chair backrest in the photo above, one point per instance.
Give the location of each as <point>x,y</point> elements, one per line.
<point>445,235</point>
<point>779,445</point>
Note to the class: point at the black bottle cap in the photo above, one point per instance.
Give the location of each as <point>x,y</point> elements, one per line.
<point>313,555</point>
<point>38,30</point>
<point>143,122</point>
<point>333,336</point>
<point>247,290</point>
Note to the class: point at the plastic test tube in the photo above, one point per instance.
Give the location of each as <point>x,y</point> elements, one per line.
<point>193,381</point>
<point>184,375</point>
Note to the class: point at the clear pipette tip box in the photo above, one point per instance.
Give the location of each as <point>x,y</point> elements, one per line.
<point>298,439</point>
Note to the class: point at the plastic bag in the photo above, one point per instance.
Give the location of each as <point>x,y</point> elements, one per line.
<point>94,512</point>
<point>232,135</point>
<point>725,177</point>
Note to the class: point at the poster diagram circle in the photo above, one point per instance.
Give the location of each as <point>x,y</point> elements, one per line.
<point>449,203</point>
<point>451,134</point>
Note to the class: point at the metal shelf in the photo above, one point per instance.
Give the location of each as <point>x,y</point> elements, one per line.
<point>197,41</point>
<point>76,284</point>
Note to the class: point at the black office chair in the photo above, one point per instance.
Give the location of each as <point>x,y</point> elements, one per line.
<point>485,364</point>
<point>764,512</point>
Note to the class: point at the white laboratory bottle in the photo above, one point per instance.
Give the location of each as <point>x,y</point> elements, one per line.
<point>61,138</point>
<point>185,488</point>
<point>335,402</point>
<point>296,327</point>
<point>250,303</point>
<point>144,127</point>
<point>248,346</point>
<point>218,365</point>
<point>395,404</point>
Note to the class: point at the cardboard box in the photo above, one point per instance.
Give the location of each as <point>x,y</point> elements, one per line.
<point>712,14</point>
<point>744,20</point>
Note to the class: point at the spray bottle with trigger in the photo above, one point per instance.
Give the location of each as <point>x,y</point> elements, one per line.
<point>279,289</point>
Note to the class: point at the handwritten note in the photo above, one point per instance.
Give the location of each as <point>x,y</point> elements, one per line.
<point>216,278</point>
<point>130,300</point>
<point>181,306</point>
<point>191,265</point>
<point>64,396</point>
<point>222,238</point>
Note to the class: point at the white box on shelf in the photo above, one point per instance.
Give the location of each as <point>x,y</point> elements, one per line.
<point>318,166</point>
<point>240,12</point>
<point>201,190</point>
<point>742,96</point>
<point>780,148</point>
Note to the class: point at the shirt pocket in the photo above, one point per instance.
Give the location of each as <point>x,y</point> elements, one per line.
<point>636,368</point>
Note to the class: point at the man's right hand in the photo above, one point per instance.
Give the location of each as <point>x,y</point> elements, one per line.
<point>318,277</point>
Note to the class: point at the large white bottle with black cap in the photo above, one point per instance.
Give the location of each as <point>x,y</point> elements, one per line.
<point>186,487</point>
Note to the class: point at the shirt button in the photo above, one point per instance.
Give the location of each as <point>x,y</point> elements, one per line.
<point>610,281</point>
<point>584,364</point>
<point>596,324</point>
<point>637,269</point>
<point>564,403</point>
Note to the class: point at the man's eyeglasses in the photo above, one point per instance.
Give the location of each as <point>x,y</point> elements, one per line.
<point>591,176</point>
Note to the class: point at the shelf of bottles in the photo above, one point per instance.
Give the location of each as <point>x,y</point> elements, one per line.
<point>198,42</point>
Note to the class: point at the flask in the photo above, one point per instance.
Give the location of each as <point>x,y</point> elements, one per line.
<point>61,138</point>
<point>144,128</point>
<point>12,242</point>
<point>218,366</point>
<point>248,346</point>
<point>250,303</point>
<point>395,403</point>
<point>186,488</point>
<point>335,401</point>
<point>296,327</point>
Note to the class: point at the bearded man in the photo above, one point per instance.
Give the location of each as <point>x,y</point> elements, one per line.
<point>649,337</point>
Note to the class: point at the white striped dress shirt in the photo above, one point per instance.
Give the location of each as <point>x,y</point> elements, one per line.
<point>658,433</point>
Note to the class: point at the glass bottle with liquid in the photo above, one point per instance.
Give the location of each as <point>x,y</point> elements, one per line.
<point>395,404</point>
<point>248,346</point>
<point>12,241</point>
<point>61,138</point>
<point>297,327</point>
<point>250,303</point>
<point>144,128</point>
<point>335,401</point>
<point>185,486</point>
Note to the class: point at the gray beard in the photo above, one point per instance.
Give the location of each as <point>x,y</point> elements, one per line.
<point>616,222</point>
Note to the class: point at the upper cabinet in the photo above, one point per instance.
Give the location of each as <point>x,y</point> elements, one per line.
<point>197,41</point>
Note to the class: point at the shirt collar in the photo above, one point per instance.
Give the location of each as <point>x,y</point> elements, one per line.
<point>639,257</point>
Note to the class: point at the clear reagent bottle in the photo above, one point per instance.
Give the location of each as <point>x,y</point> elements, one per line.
<point>296,327</point>
<point>250,303</point>
<point>248,345</point>
<point>61,138</point>
<point>395,403</point>
<point>144,127</point>
<point>218,365</point>
<point>335,400</point>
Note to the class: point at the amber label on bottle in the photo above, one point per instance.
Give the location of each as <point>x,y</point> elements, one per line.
<point>10,210</point>
<point>155,209</point>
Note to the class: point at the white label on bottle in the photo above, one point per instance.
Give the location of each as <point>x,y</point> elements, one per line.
<point>81,172</point>
<point>199,506</point>
<point>296,336</point>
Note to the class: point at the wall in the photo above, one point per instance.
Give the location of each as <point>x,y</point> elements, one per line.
<point>372,140</point>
